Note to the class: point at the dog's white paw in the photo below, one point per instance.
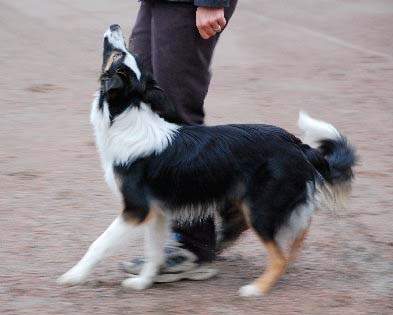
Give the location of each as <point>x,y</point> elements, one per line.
<point>72,277</point>
<point>137,283</point>
<point>250,290</point>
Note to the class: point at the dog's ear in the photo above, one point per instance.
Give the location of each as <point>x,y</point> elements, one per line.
<point>112,83</point>
<point>159,102</point>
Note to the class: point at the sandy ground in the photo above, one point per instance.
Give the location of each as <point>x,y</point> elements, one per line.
<point>331,58</point>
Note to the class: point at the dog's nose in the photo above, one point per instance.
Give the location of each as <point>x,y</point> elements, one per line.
<point>114,27</point>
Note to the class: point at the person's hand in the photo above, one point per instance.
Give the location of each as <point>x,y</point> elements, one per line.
<point>210,21</point>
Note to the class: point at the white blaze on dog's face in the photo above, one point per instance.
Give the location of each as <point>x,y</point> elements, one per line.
<point>114,46</point>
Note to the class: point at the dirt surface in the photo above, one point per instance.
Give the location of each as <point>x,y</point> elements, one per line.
<point>331,58</point>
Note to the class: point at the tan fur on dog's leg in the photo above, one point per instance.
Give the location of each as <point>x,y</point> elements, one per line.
<point>297,245</point>
<point>277,266</point>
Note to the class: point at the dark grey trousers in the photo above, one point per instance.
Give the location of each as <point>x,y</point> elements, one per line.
<point>167,43</point>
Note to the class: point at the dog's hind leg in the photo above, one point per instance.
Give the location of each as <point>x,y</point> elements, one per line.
<point>278,215</point>
<point>297,244</point>
<point>277,266</point>
<point>262,222</point>
<point>114,236</point>
<point>157,231</point>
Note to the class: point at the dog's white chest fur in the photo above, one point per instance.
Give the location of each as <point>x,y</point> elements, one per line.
<point>135,133</point>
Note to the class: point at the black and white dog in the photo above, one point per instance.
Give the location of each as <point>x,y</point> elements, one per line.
<point>259,176</point>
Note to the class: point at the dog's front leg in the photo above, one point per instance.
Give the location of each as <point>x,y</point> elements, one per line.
<point>114,236</point>
<point>157,231</point>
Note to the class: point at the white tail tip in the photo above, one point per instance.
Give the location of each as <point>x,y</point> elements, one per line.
<point>316,130</point>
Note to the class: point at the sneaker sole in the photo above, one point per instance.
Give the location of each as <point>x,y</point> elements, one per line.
<point>198,274</point>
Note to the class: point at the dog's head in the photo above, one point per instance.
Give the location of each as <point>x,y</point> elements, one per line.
<point>124,83</point>
<point>121,75</point>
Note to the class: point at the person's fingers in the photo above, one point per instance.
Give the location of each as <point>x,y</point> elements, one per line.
<point>210,21</point>
<point>222,22</point>
<point>215,26</point>
<point>203,34</point>
<point>204,29</point>
<point>209,30</point>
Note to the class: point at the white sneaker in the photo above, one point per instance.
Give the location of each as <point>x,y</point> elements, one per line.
<point>180,264</point>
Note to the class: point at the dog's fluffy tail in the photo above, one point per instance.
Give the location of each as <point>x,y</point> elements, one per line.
<point>332,156</point>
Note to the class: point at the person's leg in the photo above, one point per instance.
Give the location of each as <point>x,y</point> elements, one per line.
<point>181,58</point>
<point>181,63</point>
